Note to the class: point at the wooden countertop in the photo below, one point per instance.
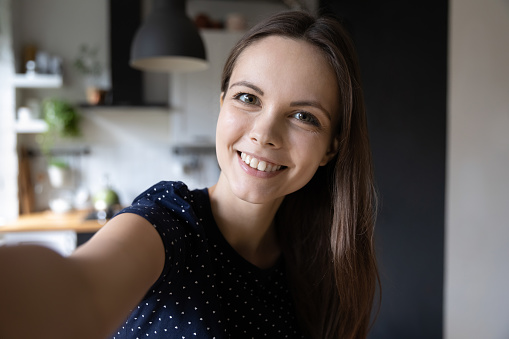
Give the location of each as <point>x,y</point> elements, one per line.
<point>50,221</point>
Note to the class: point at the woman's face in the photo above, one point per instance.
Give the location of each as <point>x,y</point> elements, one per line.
<point>275,125</point>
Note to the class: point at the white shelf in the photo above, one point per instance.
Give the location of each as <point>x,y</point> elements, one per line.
<point>31,126</point>
<point>37,81</point>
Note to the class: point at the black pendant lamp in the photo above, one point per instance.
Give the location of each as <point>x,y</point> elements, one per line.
<point>168,41</point>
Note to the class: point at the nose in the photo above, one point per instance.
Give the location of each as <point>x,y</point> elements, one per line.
<point>267,129</point>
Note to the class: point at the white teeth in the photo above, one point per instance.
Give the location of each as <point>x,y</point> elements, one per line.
<point>259,165</point>
<point>253,163</point>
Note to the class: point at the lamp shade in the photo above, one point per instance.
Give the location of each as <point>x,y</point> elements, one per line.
<point>168,41</point>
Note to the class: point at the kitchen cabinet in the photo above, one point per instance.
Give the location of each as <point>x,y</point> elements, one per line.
<point>48,221</point>
<point>58,231</point>
<point>62,242</point>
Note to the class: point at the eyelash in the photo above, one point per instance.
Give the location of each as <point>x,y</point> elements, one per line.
<point>240,94</point>
<point>313,120</point>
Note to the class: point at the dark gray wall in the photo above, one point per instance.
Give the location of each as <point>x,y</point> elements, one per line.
<point>402,47</point>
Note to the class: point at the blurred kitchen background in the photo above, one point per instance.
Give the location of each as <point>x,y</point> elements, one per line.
<point>436,79</point>
<point>147,127</point>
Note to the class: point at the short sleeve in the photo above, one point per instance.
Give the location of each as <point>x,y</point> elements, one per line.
<point>164,207</point>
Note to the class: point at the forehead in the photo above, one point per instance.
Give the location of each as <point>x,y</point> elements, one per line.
<point>287,66</point>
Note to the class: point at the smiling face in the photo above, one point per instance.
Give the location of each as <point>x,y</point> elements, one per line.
<point>275,125</point>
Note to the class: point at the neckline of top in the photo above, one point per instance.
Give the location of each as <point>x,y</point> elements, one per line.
<point>213,231</point>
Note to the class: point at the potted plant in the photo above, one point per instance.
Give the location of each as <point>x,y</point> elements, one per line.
<point>60,178</point>
<point>58,172</point>
<point>88,64</point>
<point>63,121</point>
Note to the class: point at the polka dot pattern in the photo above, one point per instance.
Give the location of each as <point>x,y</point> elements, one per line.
<point>206,289</point>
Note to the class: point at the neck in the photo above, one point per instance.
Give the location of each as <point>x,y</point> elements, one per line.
<point>248,228</point>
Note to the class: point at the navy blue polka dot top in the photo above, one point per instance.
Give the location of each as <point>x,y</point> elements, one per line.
<point>206,289</point>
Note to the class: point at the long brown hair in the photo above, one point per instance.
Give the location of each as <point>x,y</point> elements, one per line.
<point>326,228</point>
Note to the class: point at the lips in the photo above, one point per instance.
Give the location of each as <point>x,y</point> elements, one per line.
<point>260,165</point>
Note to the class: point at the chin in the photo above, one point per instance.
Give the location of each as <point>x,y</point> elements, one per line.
<point>252,197</point>
<point>256,196</point>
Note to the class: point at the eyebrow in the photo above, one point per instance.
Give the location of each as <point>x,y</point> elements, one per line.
<point>257,89</point>
<point>315,104</point>
<point>248,84</point>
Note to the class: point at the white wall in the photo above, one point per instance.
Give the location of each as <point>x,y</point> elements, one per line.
<point>60,27</point>
<point>477,223</point>
<point>8,157</point>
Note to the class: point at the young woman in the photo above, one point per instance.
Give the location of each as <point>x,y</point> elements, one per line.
<point>280,247</point>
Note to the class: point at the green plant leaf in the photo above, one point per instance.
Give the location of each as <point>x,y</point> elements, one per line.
<point>63,121</point>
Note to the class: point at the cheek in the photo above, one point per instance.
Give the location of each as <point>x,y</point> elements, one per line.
<point>226,118</point>
<point>309,154</point>
<point>310,149</point>
<point>231,125</point>
<point>224,125</point>
<point>228,132</point>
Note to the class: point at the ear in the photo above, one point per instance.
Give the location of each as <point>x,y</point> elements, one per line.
<point>221,97</point>
<point>331,152</point>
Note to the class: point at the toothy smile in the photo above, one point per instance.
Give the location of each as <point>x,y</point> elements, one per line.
<point>260,165</point>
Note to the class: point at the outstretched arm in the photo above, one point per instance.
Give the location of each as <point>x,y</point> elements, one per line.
<point>86,295</point>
